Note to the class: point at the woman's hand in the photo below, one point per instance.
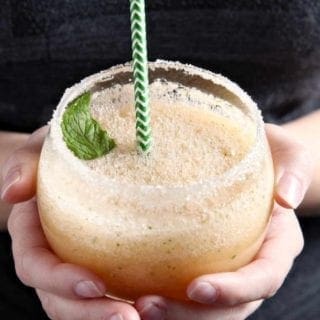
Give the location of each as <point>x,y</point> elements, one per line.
<point>231,295</point>
<point>235,295</point>
<point>66,291</point>
<point>9,141</point>
<point>19,171</point>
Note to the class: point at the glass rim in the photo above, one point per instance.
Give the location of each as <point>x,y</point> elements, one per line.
<point>237,172</point>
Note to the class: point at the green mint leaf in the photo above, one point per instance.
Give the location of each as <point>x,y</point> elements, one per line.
<point>82,134</point>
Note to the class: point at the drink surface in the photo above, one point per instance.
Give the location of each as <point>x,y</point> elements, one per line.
<point>191,142</point>
<point>153,240</point>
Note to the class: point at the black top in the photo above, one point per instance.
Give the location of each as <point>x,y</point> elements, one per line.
<point>271,48</point>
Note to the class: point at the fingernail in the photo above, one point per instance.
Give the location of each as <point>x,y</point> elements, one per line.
<point>88,289</point>
<point>116,316</point>
<point>203,292</point>
<point>153,312</point>
<point>10,179</point>
<point>289,189</point>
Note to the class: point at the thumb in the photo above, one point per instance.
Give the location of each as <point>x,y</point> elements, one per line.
<point>293,167</point>
<point>19,172</point>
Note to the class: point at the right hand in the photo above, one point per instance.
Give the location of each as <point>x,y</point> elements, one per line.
<point>66,291</point>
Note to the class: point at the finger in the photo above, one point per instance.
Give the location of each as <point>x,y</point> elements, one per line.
<point>20,170</point>
<point>59,308</point>
<point>38,267</point>
<point>261,278</point>
<point>293,166</point>
<point>158,308</point>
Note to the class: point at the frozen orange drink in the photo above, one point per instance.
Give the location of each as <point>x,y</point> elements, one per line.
<point>199,203</point>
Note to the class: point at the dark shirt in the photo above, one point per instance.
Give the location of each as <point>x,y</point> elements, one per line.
<point>270,48</point>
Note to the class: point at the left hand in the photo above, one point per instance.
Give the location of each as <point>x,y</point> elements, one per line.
<point>66,291</point>
<point>236,295</point>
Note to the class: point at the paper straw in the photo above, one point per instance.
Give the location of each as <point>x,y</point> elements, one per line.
<point>140,74</point>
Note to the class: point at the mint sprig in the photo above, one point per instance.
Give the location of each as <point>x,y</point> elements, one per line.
<point>82,134</point>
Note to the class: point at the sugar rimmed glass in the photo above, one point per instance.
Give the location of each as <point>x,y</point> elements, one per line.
<point>144,239</point>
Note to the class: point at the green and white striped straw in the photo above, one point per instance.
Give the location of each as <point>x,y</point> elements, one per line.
<point>140,74</point>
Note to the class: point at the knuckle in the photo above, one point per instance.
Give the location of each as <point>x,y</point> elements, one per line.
<point>17,159</point>
<point>13,221</point>
<point>274,285</point>
<point>7,164</point>
<point>20,216</point>
<point>236,312</point>
<point>49,306</point>
<point>22,270</point>
<point>13,162</point>
<point>242,312</point>
<point>270,279</point>
<point>45,300</point>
